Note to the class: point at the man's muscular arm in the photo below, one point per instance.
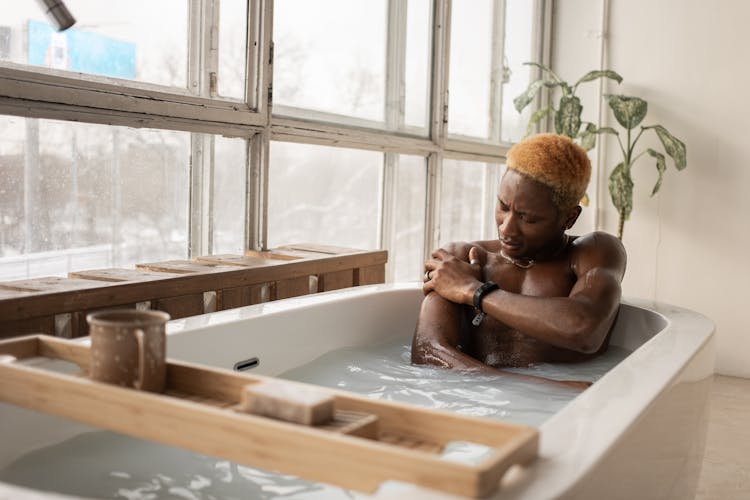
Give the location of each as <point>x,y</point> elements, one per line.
<point>579,322</point>
<point>438,332</point>
<point>437,336</point>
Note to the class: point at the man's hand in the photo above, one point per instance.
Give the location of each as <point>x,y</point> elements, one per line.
<point>452,278</point>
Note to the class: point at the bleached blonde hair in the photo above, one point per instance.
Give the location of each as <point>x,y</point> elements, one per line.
<point>555,161</point>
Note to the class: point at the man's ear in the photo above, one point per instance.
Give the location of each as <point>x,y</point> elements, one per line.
<point>572,217</point>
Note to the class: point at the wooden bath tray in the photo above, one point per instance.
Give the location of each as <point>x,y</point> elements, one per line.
<point>198,411</point>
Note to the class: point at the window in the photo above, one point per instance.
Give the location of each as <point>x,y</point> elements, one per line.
<point>152,132</point>
<point>467,190</point>
<point>471,61</point>
<point>128,40</point>
<point>83,196</point>
<point>232,41</point>
<point>345,70</point>
<point>519,48</point>
<point>406,253</point>
<point>324,195</point>
<point>229,185</point>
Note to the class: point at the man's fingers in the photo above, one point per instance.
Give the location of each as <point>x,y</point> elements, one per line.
<point>439,254</point>
<point>473,256</point>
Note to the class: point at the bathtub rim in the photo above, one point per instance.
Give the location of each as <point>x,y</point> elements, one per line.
<point>560,466</point>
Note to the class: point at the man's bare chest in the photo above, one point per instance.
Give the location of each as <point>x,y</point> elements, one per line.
<point>543,279</point>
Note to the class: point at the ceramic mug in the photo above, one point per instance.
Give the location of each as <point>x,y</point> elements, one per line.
<point>128,348</point>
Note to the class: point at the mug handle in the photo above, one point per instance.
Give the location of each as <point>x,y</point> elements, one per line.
<point>140,337</point>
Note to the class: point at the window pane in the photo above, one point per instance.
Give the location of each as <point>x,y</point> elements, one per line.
<point>406,253</point>
<point>518,50</point>
<point>470,68</point>
<point>418,62</point>
<point>324,195</point>
<point>467,194</point>
<point>128,40</point>
<point>77,196</point>
<point>230,181</point>
<point>330,56</point>
<point>232,37</point>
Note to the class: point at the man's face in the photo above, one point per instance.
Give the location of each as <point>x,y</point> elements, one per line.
<point>528,222</point>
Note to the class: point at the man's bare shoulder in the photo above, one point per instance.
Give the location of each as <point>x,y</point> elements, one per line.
<point>460,249</point>
<point>598,250</point>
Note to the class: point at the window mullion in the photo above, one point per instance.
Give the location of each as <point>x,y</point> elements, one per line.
<point>497,70</point>
<point>432,213</point>
<point>395,105</point>
<point>202,60</point>
<point>438,119</point>
<point>259,85</point>
<point>387,223</point>
<point>395,85</point>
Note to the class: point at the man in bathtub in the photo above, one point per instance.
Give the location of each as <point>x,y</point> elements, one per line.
<point>535,294</point>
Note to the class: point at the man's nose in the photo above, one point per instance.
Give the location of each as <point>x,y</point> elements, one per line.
<point>509,225</point>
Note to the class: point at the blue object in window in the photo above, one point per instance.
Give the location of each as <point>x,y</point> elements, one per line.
<point>81,51</point>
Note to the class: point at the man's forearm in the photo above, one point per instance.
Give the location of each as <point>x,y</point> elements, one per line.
<point>437,335</point>
<point>561,321</point>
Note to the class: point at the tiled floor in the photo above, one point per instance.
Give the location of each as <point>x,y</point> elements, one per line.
<point>726,466</point>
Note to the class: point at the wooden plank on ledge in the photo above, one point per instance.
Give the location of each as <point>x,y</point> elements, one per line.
<point>325,249</point>
<point>238,260</point>
<point>229,298</point>
<point>335,281</point>
<point>370,275</point>
<point>184,267</point>
<point>181,306</point>
<point>295,287</point>
<point>120,274</point>
<point>118,293</point>
<point>11,293</point>
<point>15,327</point>
<point>51,284</point>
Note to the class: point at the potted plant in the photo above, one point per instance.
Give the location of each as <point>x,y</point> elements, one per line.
<point>629,111</point>
<point>567,115</point>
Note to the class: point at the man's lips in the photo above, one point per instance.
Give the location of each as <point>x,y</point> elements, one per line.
<point>510,244</point>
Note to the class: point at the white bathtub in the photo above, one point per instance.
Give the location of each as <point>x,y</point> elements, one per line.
<point>638,432</point>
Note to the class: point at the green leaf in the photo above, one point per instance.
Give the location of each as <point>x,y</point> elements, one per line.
<point>629,111</point>
<point>545,69</point>
<point>536,116</point>
<point>607,130</point>
<point>593,75</point>
<point>661,167</point>
<point>672,145</point>
<point>528,95</point>
<point>588,137</point>
<point>621,190</point>
<point>568,116</point>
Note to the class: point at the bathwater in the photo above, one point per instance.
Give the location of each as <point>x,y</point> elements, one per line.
<point>385,372</point>
<point>100,464</point>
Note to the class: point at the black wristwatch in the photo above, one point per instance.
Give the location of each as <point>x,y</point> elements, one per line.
<point>479,294</point>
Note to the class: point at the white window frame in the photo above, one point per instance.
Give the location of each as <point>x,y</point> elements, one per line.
<point>43,93</point>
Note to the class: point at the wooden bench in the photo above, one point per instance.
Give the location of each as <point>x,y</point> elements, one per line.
<point>58,306</point>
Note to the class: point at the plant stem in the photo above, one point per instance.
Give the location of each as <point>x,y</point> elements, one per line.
<point>621,225</point>
<point>624,155</point>
<point>630,151</point>
<point>639,155</point>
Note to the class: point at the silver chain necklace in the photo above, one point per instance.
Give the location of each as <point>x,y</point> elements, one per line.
<point>527,263</point>
<point>522,263</point>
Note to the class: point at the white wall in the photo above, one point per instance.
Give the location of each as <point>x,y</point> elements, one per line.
<point>688,245</point>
